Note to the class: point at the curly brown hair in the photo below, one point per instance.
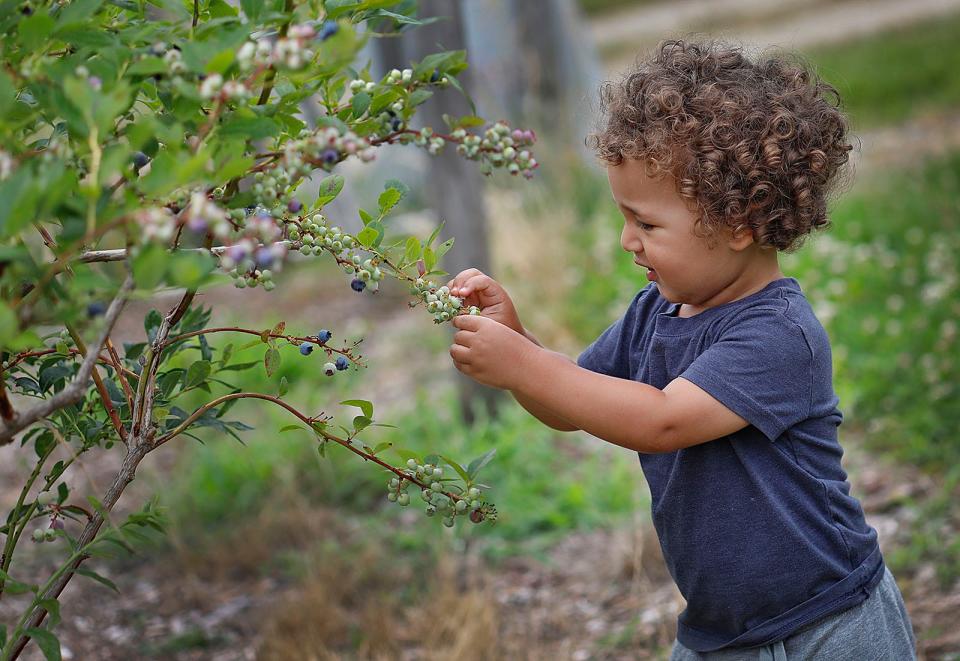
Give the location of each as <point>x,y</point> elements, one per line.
<point>758,145</point>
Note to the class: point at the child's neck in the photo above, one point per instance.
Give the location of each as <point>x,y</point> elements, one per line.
<point>758,274</point>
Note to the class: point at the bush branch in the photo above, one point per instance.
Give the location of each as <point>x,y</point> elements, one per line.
<point>74,392</point>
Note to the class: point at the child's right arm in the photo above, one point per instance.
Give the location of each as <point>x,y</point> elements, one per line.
<point>478,288</point>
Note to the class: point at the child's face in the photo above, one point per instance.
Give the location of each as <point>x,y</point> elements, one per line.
<point>659,231</point>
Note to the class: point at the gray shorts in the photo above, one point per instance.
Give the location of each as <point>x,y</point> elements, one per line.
<point>878,629</point>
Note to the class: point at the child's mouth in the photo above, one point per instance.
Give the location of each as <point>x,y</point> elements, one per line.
<point>651,273</point>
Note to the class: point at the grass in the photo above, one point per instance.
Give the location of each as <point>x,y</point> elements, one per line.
<point>891,76</point>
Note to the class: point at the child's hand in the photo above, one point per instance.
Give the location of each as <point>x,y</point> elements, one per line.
<point>489,352</point>
<point>478,288</point>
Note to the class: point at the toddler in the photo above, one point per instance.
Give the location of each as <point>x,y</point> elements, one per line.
<point>718,373</point>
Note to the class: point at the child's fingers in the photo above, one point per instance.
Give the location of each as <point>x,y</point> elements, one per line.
<point>462,277</point>
<point>476,283</point>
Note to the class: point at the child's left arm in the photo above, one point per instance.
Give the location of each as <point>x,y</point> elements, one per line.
<point>628,413</point>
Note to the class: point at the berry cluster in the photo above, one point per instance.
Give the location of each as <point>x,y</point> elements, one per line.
<point>439,302</point>
<point>252,259</point>
<point>156,223</point>
<point>45,499</point>
<point>500,148</point>
<point>203,215</point>
<point>323,336</point>
<point>290,51</point>
<point>437,501</point>
<point>324,148</point>
<point>213,86</point>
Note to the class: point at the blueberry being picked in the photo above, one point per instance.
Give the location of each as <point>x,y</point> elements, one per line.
<point>342,363</point>
<point>357,285</point>
<point>306,348</point>
<point>323,336</point>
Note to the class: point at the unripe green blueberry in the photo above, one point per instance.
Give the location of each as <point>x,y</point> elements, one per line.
<point>403,499</point>
<point>426,494</point>
<point>318,250</point>
<point>448,522</point>
<point>38,535</point>
<point>392,497</point>
<point>436,486</point>
<point>412,464</point>
<point>269,285</point>
<point>473,492</point>
<point>305,250</point>
<point>474,504</point>
<point>461,505</point>
<point>46,497</point>
<point>266,274</point>
<point>430,510</point>
<point>49,534</point>
<point>437,471</point>
<point>394,483</point>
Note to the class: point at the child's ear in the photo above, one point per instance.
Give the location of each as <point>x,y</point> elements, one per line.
<point>740,238</point>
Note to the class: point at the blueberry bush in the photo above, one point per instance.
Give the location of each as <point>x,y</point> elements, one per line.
<point>160,144</point>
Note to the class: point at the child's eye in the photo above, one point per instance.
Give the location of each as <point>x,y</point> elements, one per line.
<point>642,225</point>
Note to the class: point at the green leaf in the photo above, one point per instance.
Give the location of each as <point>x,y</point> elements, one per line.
<point>34,29</point>
<point>365,216</point>
<point>191,269</point>
<point>148,66</point>
<point>360,422</point>
<point>418,97</point>
<point>252,8</point>
<point>14,586</point>
<point>52,606</point>
<point>382,446</point>
<point>479,463</point>
<point>196,374</point>
<point>330,187</point>
<point>457,467</point>
<point>103,580</point>
<point>406,455</point>
<point>286,428</point>
<point>284,386</point>
<point>251,128</point>
<point>388,200</point>
<point>47,643</point>
<point>365,406</point>
<point>412,252</point>
<point>367,236</point>
<point>429,258</point>
<point>435,233</point>
<point>149,266</point>
<point>359,103</point>
<point>221,61</point>
<point>271,361</point>
<point>444,247</point>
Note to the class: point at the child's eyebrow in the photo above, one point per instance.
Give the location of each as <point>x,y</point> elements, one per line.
<point>631,209</point>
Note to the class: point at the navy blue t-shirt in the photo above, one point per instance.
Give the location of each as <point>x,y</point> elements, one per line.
<point>758,528</point>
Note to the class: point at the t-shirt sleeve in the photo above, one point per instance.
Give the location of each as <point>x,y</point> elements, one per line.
<point>761,368</point>
<point>610,352</point>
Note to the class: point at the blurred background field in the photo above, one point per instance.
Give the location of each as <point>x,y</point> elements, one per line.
<point>274,552</point>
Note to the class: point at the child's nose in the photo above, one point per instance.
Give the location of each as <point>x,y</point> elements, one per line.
<point>630,240</point>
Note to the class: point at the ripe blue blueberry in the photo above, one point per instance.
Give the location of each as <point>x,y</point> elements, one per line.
<point>330,156</point>
<point>140,159</point>
<point>263,258</point>
<point>342,363</point>
<point>323,336</point>
<point>357,284</point>
<point>306,348</point>
<point>293,206</point>
<point>95,309</point>
<point>435,76</point>
<point>327,30</point>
